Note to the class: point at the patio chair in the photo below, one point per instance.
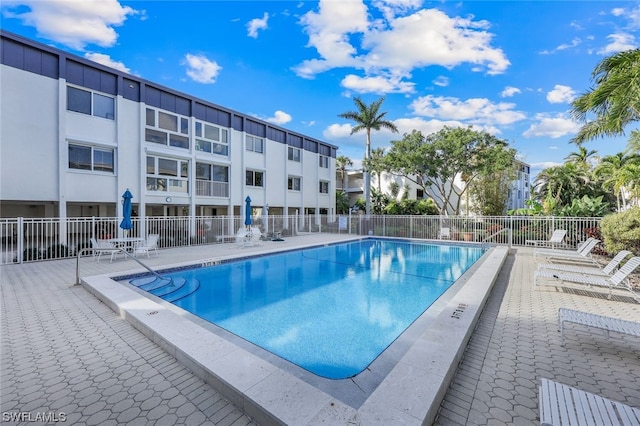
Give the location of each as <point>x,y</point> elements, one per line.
<point>598,321</point>
<point>256,235</point>
<point>619,280</point>
<point>101,247</point>
<point>445,234</point>
<point>243,238</point>
<point>144,247</point>
<point>606,271</point>
<point>581,254</point>
<point>556,239</point>
<point>563,405</point>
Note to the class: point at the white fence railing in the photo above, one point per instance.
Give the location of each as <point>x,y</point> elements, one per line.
<point>26,239</point>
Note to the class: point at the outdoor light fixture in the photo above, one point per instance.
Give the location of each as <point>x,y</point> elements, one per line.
<point>168,199</point>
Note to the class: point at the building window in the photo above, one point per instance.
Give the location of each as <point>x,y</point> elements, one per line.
<point>254,178</point>
<point>166,129</point>
<point>324,162</point>
<point>83,157</point>
<point>212,180</point>
<point>324,187</point>
<point>293,183</point>
<point>419,194</point>
<point>294,154</point>
<point>212,139</point>
<point>167,174</point>
<point>90,103</point>
<point>255,144</point>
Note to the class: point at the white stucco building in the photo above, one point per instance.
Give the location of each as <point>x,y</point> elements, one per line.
<point>76,134</point>
<point>353,185</point>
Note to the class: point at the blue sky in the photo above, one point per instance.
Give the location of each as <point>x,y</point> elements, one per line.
<point>510,68</point>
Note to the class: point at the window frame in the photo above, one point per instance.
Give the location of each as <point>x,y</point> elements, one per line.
<point>255,173</point>
<point>167,129</point>
<point>94,97</point>
<point>218,146</point>
<point>93,149</point>
<point>294,154</point>
<point>181,174</point>
<point>250,144</point>
<point>323,161</point>
<point>320,185</point>
<point>291,183</point>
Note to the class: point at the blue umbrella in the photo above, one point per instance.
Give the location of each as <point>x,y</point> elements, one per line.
<point>126,210</point>
<point>247,212</point>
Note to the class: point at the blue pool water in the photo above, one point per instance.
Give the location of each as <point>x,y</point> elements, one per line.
<point>331,310</point>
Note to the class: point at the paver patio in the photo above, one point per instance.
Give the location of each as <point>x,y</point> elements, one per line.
<point>63,351</point>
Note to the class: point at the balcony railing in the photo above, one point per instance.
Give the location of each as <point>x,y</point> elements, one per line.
<point>208,188</point>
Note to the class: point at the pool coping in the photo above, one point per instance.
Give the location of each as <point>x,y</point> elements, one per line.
<point>410,394</point>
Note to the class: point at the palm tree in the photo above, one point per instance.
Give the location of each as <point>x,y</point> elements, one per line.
<point>582,156</point>
<point>343,162</point>
<point>367,118</point>
<point>620,173</point>
<point>615,100</point>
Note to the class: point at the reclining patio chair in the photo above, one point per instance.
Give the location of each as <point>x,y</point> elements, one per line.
<point>581,254</point>
<point>556,238</point>
<point>563,405</point>
<point>144,247</point>
<point>619,280</point>
<point>608,270</point>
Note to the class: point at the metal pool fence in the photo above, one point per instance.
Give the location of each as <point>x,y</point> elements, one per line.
<point>28,239</point>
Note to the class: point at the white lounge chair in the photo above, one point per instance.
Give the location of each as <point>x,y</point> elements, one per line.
<point>608,270</point>
<point>101,247</point>
<point>151,243</point>
<point>581,254</point>
<point>563,405</point>
<point>445,234</point>
<point>243,237</point>
<point>556,238</point>
<point>598,321</point>
<point>619,280</point>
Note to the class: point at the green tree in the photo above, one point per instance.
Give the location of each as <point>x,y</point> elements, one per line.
<point>342,202</point>
<point>615,99</point>
<point>490,191</point>
<point>620,174</point>
<point>435,161</point>
<point>368,118</point>
<point>376,165</point>
<point>582,156</point>
<point>342,162</point>
<point>557,186</point>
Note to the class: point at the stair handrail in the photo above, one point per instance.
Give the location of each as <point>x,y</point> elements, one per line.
<point>115,249</point>
<point>509,237</point>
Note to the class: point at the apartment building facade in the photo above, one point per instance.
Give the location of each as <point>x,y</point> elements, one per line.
<point>75,135</point>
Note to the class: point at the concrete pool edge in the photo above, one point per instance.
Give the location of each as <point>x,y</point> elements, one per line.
<point>411,393</point>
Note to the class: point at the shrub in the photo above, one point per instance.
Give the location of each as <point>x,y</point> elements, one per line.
<point>31,253</point>
<point>621,231</point>
<point>57,250</point>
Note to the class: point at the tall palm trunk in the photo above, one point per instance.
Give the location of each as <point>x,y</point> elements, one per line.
<point>367,175</point>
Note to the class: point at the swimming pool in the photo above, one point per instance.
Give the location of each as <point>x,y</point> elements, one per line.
<point>330,310</point>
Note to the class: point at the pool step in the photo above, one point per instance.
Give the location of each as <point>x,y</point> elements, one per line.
<point>190,287</point>
<point>172,290</point>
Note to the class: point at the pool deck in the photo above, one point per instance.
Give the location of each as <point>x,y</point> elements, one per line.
<point>64,351</point>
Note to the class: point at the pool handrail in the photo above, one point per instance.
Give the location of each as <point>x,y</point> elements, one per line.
<point>116,249</point>
<point>509,237</point>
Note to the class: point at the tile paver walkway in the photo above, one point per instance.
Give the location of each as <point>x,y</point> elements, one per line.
<point>65,352</point>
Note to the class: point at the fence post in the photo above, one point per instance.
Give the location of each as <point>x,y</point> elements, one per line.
<point>20,239</point>
<point>510,232</point>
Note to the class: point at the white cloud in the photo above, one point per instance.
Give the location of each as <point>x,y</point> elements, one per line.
<point>279,117</point>
<point>441,81</point>
<point>553,127</point>
<point>544,165</point>
<point>561,94</point>
<point>378,84</point>
<point>73,23</point>
<point>509,91</point>
<point>103,59</point>
<point>480,111</point>
<point>394,46</point>
<point>257,24</point>
<point>337,131</point>
<point>201,69</point>
<point>619,42</point>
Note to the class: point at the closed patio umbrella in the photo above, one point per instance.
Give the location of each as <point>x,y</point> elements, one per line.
<point>126,223</point>
<point>247,212</point>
